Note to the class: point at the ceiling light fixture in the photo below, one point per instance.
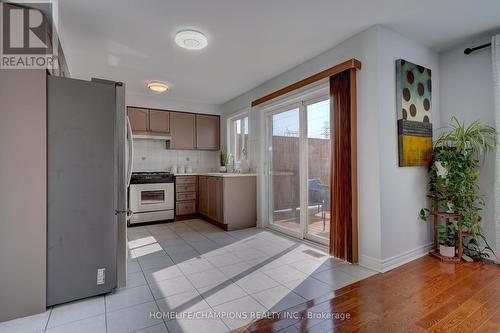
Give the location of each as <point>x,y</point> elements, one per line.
<point>157,86</point>
<point>191,39</point>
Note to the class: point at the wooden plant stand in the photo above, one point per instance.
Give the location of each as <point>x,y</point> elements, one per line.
<point>448,218</point>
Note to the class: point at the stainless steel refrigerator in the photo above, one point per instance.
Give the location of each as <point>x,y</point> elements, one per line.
<point>86,189</point>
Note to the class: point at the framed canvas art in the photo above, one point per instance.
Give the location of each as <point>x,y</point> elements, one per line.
<point>414,105</point>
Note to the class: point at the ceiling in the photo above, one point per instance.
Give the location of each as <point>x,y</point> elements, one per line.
<point>250,41</point>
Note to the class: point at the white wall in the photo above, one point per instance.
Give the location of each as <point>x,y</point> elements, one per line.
<point>389,196</point>
<point>403,191</point>
<point>363,47</point>
<point>467,93</point>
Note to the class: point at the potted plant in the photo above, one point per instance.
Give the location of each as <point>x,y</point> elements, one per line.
<point>453,179</point>
<point>447,238</point>
<point>223,159</point>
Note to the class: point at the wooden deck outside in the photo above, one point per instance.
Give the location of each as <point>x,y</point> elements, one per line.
<point>315,224</point>
<point>426,295</point>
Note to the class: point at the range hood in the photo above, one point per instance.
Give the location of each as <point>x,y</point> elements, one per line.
<point>148,135</point>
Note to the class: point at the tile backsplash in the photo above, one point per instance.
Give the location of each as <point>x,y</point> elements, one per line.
<point>151,155</point>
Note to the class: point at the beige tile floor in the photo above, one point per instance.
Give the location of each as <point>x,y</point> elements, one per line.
<point>214,281</point>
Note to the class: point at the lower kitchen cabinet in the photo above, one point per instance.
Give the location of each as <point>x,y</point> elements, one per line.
<point>203,195</point>
<point>215,197</point>
<point>210,198</point>
<point>229,202</point>
<point>185,195</point>
<point>186,207</point>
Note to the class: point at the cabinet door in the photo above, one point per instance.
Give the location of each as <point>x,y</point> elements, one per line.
<point>159,121</point>
<point>181,180</point>
<point>185,207</point>
<point>183,188</point>
<point>182,127</point>
<point>207,132</point>
<point>212,197</point>
<point>215,198</point>
<point>139,119</point>
<point>220,199</point>
<point>203,195</point>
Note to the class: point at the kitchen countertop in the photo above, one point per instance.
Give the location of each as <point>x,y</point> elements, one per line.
<point>217,174</point>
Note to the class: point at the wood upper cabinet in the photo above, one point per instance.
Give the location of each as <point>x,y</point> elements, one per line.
<point>159,121</point>
<point>188,130</point>
<point>182,129</point>
<point>139,119</point>
<point>142,119</point>
<point>207,132</point>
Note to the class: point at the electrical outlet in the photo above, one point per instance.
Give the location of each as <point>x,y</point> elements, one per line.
<point>101,275</point>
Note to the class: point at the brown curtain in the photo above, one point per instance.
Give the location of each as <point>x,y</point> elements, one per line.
<point>343,237</point>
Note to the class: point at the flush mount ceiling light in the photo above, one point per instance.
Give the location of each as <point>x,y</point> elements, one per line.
<point>157,86</point>
<point>191,39</point>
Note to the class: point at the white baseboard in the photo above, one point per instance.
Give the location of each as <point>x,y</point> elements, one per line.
<point>370,263</point>
<point>387,264</point>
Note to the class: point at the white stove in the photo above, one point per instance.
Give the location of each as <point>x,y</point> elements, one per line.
<point>152,197</point>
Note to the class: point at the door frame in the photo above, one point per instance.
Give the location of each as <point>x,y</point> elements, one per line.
<point>298,100</point>
<point>267,175</point>
<point>305,179</point>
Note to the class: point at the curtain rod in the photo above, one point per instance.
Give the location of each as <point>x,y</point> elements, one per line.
<point>470,50</point>
<point>351,63</point>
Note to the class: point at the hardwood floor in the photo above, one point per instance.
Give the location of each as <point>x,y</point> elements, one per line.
<point>426,295</point>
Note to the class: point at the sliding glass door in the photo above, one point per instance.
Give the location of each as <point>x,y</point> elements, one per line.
<point>284,169</point>
<point>319,157</point>
<point>298,164</point>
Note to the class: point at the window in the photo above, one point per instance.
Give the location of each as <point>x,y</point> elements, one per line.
<point>238,137</point>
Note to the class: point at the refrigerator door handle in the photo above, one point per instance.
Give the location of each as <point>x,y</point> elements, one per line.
<point>128,212</point>
<point>130,151</point>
